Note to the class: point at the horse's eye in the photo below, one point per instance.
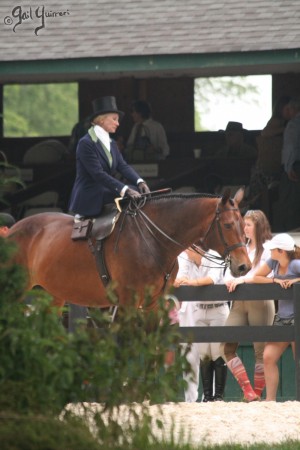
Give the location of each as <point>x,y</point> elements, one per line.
<point>227,226</point>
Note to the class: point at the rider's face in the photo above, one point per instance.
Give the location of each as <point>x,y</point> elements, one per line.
<point>109,122</point>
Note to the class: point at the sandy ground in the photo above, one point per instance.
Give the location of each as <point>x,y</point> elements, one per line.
<point>226,422</point>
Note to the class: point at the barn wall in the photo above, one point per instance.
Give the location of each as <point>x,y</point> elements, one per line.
<point>172,101</point>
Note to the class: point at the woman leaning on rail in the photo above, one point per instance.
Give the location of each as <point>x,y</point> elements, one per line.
<point>285,264</point>
<point>252,313</point>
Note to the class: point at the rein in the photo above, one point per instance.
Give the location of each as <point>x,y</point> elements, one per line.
<point>134,209</point>
<point>218,260</point>
<point>216,220</point>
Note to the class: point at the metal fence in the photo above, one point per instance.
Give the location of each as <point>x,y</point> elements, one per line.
<point>239,334</point>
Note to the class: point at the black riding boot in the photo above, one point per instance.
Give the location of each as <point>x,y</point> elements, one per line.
<point>207,377</point>
<point>220,378</point>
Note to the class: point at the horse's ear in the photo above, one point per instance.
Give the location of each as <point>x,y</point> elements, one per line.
<point>239,195</point>
<point>226,195</point>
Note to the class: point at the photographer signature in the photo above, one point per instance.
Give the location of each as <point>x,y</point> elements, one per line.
<point>23,15</point>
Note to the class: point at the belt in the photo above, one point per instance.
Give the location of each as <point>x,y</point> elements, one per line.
<point>210,305</point>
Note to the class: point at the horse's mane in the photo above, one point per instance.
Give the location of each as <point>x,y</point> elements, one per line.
<point>181,195</point>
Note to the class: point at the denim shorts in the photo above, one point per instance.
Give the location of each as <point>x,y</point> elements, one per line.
<point>283,322</point>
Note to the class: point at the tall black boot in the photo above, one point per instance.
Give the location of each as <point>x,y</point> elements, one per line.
<point>207,377</point>
<point>220,378</point>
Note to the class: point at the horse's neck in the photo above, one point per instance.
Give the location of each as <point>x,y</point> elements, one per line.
<point>184,220</point>
<point>197,216</point>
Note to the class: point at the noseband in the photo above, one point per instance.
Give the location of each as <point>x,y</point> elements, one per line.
<point>217,220</point>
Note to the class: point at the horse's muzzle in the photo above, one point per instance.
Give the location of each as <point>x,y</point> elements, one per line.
<point>243,269</point>
<point>238,270</point>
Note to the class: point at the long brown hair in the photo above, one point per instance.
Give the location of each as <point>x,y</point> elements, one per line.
<point>262,231</point>
<point>294,254</point>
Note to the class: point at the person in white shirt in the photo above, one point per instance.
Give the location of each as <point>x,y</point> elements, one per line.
<point>198,270</point>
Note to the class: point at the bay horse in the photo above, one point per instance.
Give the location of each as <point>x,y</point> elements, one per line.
<point>141,251</point>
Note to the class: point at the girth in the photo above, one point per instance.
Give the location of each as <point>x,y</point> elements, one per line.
<point>97,251</point>
<point>103,226</point>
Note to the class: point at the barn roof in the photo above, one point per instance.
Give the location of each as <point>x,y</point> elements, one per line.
<point>144,35</point>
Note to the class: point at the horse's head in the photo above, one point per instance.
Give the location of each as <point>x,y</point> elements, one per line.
<point>226,233</point>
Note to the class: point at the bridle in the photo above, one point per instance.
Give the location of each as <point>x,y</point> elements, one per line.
<point>217,220</point>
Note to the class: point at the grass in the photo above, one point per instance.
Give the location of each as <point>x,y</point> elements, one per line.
<point>40,433</point>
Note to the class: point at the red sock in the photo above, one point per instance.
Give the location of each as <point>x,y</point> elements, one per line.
<point>259,379</point>
<point>238,370</point>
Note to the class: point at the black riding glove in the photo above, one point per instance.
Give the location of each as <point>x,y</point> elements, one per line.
<point>143,188</point>
<point>132,194</point>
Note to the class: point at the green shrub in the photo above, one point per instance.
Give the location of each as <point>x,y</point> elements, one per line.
<point>31,432</point>
<point>49,367</point>
<point>43,367</point>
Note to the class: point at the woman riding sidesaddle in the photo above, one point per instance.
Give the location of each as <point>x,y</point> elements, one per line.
<point>98,161</point>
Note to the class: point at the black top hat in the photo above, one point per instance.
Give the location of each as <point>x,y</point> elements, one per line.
<point>234,126</point>
<point>6,220</point>
<point>104,105</point>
